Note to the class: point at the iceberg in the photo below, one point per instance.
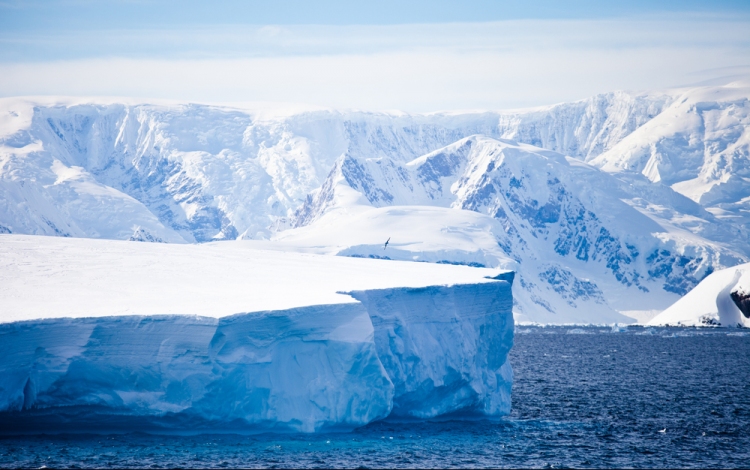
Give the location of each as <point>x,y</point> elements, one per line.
<point>473,375</point>
<point>721,299</point>
<point>361,341</point>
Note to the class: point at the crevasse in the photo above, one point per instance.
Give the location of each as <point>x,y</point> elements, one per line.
<point>404,352</point>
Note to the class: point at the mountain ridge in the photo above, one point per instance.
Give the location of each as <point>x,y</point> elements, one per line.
<point>559,217</point>
<point>194,173</point>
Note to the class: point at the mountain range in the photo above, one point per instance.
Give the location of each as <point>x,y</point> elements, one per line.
<point>609,208</point>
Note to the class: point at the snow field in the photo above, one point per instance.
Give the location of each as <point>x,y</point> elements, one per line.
<point>52,277</point>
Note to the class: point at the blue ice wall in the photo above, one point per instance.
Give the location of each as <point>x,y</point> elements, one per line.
<point>402,352</point>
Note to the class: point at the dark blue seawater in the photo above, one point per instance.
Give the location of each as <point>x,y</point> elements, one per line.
<point>676,398</point>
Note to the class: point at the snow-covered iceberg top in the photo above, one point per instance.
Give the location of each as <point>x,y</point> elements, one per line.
<point>326,343</point>
<point>51,277</point>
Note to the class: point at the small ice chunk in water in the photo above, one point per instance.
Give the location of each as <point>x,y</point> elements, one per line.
<point>578,331</point>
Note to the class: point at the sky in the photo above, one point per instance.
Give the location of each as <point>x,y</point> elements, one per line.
<point>415,56</point>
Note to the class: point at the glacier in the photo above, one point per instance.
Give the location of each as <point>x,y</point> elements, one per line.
<point>672,164</point>
<point>326,343</point>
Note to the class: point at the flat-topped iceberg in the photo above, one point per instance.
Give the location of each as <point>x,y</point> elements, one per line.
<point>340,342</point>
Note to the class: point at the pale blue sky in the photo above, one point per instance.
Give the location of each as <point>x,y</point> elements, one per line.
<point>415,56</point>
<point>37,15</point>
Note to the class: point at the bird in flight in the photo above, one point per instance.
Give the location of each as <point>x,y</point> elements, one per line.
<point>386,243</point>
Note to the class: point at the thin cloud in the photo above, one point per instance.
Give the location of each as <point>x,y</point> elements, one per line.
<point>416,68</point>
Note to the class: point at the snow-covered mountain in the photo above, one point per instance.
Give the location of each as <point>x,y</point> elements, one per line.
<point>587,128</point>
<point>584,240</point>
<point>185,172</point>
<point>699,146</point>
<point>695,140</point>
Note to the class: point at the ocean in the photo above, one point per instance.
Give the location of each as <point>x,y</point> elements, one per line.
<point>582,397</point>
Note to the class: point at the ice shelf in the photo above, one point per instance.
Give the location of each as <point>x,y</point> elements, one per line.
<point>245,341</point>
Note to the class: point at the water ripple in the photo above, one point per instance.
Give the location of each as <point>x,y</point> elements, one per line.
<point>667,398</point>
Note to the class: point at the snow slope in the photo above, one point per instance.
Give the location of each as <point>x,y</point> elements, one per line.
<point>585,241</point>
<point>415,233</point>
<point>723,298</point>
<point>178,172</point>
<point>112,339</point>
<point>699,145</point>
<point>205,172</point>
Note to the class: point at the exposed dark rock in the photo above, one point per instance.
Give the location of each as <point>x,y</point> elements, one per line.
<point>141,235</point>
<point>742,300</point>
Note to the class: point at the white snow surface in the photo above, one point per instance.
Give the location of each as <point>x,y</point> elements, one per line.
<point>414,233</point>
<point>586,245</point>
<point>699,145</point>
<point>52,277</point>
<point>710,302</point>
<point>175,172</point>
<point>119,335</point>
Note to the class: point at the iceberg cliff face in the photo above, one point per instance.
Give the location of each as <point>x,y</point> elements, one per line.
<point>464,335</point>
<point>421,350</point>
<point>414,352</point>
<point>284,369</point>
